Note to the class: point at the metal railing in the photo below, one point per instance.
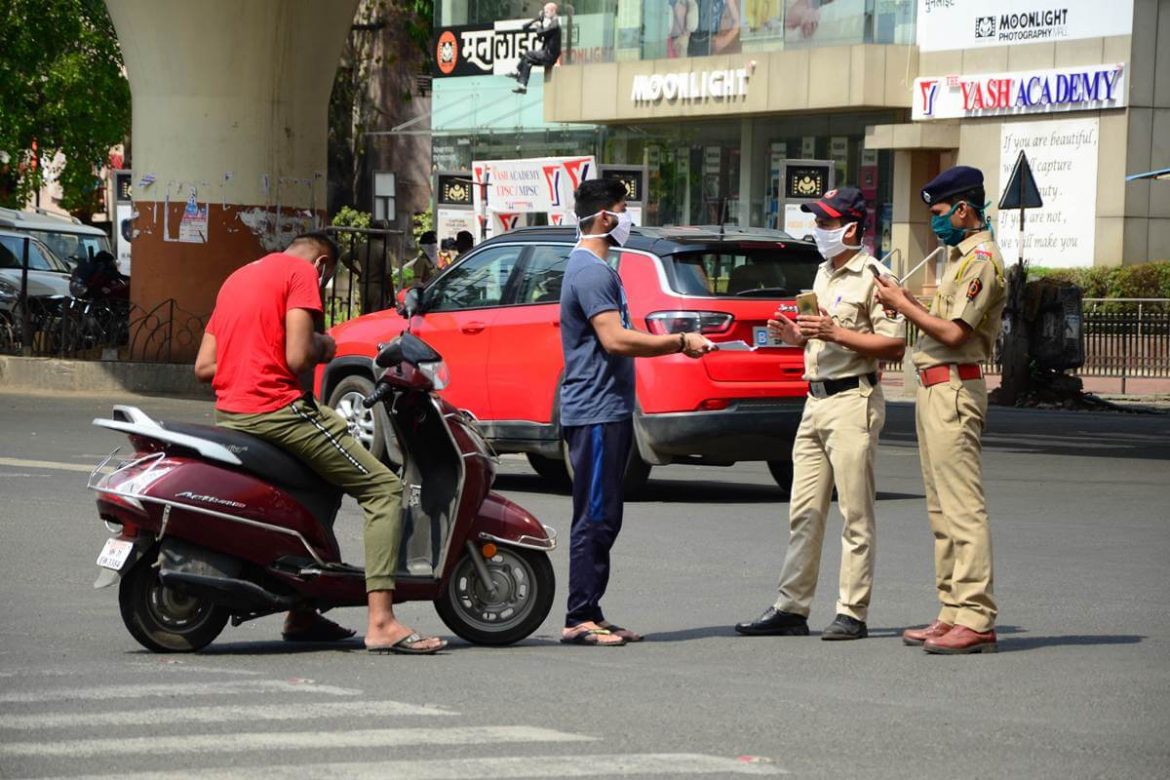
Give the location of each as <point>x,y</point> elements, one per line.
<point>1127,338</point>
<point>65,327</point>
<point>368,274</point>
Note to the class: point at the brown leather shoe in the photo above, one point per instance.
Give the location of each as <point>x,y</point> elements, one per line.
<point>916,636</point>
<point>961,640</point>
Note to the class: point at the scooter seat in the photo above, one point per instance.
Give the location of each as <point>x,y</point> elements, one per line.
<point>258,457</point>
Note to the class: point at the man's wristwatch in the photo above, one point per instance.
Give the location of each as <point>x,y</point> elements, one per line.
<point>682,342</point>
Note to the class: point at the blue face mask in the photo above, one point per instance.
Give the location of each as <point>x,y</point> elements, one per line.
<point>946,232</point>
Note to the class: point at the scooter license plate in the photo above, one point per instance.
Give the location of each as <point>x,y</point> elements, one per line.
<point>114,554</point>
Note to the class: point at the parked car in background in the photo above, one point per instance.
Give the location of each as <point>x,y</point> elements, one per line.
<point>69,238</point>
<point>48,283</point>
<point>495,318</point>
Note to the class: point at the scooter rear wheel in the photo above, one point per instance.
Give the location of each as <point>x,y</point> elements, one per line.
<point>162,619</point>
<point>525,586</point>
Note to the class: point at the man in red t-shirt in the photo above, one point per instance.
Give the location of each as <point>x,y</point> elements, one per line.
<point>261,336</point>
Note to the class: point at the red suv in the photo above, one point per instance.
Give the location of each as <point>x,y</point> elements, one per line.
<point>495,318</point>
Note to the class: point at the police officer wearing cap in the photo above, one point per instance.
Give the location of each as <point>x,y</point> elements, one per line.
<point>957,335</point>
<point>836,442</point>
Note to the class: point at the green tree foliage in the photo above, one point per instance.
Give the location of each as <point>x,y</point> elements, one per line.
<point>61,86</point>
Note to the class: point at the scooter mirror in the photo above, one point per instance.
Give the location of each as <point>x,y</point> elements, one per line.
<point>411,303</point>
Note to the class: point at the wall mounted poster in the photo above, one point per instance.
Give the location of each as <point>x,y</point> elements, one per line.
<point>1063,157</point>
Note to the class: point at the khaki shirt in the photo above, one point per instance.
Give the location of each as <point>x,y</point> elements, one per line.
<point>972,290</point>
<point>847,293</point>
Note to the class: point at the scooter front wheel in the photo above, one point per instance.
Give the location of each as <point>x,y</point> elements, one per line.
<point>162,619</point>
<point>524,586</point>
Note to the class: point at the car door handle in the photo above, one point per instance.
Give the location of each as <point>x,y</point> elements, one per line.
<point>473,327</point>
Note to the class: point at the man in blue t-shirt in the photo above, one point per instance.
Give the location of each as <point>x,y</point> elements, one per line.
<point>597,401</point>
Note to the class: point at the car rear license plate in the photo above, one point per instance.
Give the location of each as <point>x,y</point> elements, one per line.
<point>114,554</point>
<point>762,338</point>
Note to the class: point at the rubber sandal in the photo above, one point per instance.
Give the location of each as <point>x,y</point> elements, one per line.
<point>590,637</point>
<point>322,630</point>
<point>406,646</point>
<point>624,633</point>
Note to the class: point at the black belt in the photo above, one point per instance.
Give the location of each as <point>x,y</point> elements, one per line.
<point>833,386</point>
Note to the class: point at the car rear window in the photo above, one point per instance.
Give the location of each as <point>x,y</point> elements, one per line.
<point>771,272</point>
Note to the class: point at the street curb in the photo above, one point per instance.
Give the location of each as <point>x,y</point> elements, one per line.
<point>91,376</point>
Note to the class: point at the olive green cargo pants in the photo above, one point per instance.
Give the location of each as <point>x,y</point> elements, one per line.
<point>320,437</point>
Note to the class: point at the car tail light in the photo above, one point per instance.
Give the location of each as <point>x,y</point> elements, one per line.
<point>664,322</point>
<point>714,404</point>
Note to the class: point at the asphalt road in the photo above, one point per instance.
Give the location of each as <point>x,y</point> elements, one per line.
<point>1081,687</point>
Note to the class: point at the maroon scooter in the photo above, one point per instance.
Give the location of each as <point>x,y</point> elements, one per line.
<point>212,525</point>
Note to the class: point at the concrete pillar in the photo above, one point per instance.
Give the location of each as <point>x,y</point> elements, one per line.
<point>911,231</point>
<point>230,104</point>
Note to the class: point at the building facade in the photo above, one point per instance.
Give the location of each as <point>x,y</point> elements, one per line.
<point>738,110</point>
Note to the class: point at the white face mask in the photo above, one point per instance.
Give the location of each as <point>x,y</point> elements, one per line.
<point>831,243</point>
<point>430,250</point>
<point>620,232</point>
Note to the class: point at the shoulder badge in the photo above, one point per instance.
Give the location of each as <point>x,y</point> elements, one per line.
<point>983,253</point>
<point>974,288</point>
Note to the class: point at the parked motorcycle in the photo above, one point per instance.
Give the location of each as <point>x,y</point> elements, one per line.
<point>211,524</point>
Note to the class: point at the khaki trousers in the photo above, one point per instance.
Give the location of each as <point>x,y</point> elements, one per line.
<point>320,437</point>
<point>950,419</point>
<point>835,444</point>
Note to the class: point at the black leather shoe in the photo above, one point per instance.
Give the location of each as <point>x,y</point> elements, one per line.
<point>775,623</point>
<point>844,627</point>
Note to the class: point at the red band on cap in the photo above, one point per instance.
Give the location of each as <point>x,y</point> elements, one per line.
<point>832,212</point>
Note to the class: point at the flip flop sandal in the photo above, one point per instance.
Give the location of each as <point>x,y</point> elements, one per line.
<point>624,633</point>
<point>406,646</point>
<point>591,637</point>
<point>322,630</point>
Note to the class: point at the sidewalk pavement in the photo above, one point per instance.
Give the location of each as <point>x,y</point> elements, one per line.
<point>54,375</point>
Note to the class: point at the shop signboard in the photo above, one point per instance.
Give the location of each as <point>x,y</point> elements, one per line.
<point>1073,88</point>
<point>123,218</point>
<point>505,192</point>
<point>454,204</point>
<point>496,49</point>
<point>945,25</point>
<point>1063,156</point>
<point>803,181</point>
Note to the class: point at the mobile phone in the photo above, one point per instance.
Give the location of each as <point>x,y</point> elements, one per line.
<point>806,303</point>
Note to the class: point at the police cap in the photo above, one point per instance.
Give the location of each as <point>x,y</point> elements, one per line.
<point>843,203</point>
<point>961,178</point>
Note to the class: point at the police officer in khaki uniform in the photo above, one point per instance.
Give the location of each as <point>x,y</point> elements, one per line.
<point>957,335</point>
<point>838,434</point>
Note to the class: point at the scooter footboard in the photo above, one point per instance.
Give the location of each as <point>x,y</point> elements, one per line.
<point>505,522</point>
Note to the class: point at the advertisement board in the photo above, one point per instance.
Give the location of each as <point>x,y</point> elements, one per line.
<point>945,25</point>
<point>506,191</point>
<point>1063,156</point>
<point>1073,88</point>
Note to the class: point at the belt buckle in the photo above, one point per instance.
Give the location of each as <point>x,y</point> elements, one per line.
<point>818,390</point>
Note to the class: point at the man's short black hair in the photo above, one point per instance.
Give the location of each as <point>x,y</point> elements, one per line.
<point>597,195</point>
<point>322,240</point>
<point>464,240</point>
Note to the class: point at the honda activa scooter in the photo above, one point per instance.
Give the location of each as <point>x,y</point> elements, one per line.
<point>212,524</point>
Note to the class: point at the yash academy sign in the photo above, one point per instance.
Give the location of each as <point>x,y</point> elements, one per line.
<point>1079,88</point>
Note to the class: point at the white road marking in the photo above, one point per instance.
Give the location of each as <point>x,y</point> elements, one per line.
<point>223,714</point>
<point>166,666</point>
<point>45,464</point>
<point>131,690</point>
<point>267,742</point>
<point>581,765</point>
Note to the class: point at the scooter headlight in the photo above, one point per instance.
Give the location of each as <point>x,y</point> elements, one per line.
<point>437,372</point>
